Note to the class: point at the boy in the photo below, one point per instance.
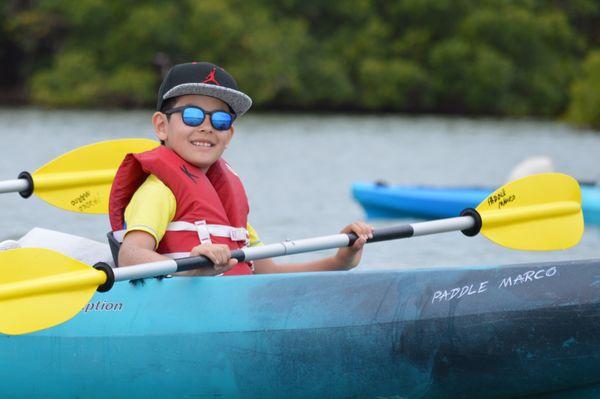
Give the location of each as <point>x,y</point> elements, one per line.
<point>181,199</point>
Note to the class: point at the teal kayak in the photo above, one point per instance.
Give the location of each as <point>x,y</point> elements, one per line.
<point>467,332</point>
<point>429,202</point>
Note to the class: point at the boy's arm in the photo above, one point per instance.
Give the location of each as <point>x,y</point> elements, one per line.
<point>138,247</point>
<point>147,215</point>
<point>345,258</point>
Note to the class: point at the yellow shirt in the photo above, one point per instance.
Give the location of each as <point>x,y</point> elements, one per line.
<point>152,208</point>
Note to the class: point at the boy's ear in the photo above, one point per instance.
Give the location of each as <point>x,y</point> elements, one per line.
<point>159,120</point>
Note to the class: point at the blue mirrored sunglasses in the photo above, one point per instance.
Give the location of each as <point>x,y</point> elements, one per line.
<point>194,116</point>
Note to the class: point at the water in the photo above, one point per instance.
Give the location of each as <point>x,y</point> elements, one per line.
<point>298,170</point>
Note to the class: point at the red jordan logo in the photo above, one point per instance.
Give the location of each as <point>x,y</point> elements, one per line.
<point>210,78</point>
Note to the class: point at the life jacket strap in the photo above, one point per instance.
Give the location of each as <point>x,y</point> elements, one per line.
<point>215,230</point>
<point>202,230</point>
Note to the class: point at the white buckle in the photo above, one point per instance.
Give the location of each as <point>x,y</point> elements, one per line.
<point>238,234</point>
<point>203,233</point>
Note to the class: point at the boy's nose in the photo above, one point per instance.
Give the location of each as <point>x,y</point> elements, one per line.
<point>205,126</point>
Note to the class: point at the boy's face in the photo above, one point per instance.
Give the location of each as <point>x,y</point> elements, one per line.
<point>200,145</point>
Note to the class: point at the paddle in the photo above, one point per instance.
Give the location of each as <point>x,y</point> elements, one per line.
<point>79,180</point>
<point>40,288</point>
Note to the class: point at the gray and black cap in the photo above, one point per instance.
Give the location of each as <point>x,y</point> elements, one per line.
<point>206,79</point>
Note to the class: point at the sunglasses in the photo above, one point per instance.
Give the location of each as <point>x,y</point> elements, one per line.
<point>194,116</point>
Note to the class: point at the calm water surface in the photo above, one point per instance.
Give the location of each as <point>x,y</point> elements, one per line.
<point>298,170</point>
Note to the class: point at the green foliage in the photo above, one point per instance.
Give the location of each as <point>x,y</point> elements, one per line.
<point>390,85</point>
<point>471,78</point>
<point>584,108</point>
<point>72,80</point>
<point>131,86</point>
<point>540,46</point>
<point>493,57</point>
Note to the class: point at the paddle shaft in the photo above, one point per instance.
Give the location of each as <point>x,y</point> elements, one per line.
<point>284,248</point>
<point>24,185</point>
<point>14,186</point>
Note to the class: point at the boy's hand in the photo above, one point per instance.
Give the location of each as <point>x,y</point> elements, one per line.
<point>219,254</point>
<point>349,257</point>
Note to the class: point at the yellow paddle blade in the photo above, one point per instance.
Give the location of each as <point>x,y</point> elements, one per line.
<point>537,213</point>
<point>80,180</point>
<point>40,288</point>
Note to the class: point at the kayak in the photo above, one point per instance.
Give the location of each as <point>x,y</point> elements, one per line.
<point>466,332</point>
<point>429,202</point>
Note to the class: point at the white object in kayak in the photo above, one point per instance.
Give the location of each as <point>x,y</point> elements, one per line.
<point>80,248</point>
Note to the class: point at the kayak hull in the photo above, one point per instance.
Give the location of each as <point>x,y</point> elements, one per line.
<point>389,202</point>
<point>494,332</point>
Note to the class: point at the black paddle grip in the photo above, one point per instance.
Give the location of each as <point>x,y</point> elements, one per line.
<point>199,262</point>
<point>110,276</point>
<point>386,234</point>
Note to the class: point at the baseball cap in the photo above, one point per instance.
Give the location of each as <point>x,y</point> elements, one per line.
<point>206,79</point>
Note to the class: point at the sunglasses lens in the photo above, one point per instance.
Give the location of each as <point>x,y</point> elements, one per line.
<point>221,120</point>
<point>193,116</point>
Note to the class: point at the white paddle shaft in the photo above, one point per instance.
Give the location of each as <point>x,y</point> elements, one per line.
<point>295,247</point>
<point>14,186</point>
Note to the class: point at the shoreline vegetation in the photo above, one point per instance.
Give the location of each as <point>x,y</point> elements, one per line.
<point>496,58</point>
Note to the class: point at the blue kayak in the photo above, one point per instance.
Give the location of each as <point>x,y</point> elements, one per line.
<point>470,332</point>
<point>425,202</point>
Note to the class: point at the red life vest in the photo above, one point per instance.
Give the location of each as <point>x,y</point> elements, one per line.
<point>211,207</point>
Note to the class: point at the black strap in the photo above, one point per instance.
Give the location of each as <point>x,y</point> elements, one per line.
<point>114,245</point>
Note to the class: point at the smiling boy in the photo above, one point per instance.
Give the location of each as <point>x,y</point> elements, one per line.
<point>182,199</point>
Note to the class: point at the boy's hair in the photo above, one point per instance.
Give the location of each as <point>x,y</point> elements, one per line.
<point>167,105</point>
